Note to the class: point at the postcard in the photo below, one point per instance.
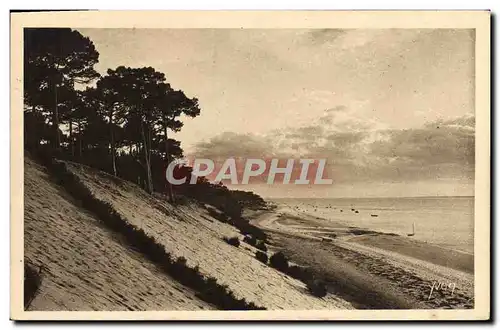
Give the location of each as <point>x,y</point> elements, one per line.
<point>258,165</point>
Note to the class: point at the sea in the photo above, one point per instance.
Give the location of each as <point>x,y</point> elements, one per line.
<point>444,221</point>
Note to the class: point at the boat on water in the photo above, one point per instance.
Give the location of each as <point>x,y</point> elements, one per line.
<point>413,232</point>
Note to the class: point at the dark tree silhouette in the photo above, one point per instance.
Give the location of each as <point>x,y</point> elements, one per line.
<point>133,91</point>
<point>36,129</point>
<point>147,106</point>
<point>119,125</point>
<point>112,107</point>
<point>171,105</point>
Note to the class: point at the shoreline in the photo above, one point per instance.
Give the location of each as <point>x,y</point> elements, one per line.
<point>373,238</point>
<point>395,271</point>
<point>323,212</point>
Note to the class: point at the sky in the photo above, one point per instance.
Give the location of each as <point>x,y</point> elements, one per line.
<point>392,110</point>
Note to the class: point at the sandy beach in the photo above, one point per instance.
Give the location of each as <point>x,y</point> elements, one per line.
<point>369,268</point>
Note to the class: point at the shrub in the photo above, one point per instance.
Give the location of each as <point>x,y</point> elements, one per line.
<point>234,241</point>
<point>248,199</point>
<point>300,273</point>
<point>253,241</point>
<point>249,229</point>
<point>32,281</point>
<point>217,215</point>
<point>317,288</point>
<point>279,261</point>
<point>181,261</point>
<point>261,246</point>
<point>261,256</point>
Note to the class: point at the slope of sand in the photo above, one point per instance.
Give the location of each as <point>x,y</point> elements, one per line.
<point>85,266</point>
<point>374,270</point>
<point>188,231</point>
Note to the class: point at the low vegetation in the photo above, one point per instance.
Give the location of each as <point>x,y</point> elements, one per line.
<point>261,256</point>
<point>303,274</point>
<point>234,241</point>
<point>317,287</point>
<point>239,223</point>
<point>279,261</point>
<point>248,229</point>
<point>261,246</point>
<point>249,200</point>
<point>257,243</point>
<point>250,240</point>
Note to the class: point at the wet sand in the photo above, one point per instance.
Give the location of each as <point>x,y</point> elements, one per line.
<point>431,253</point>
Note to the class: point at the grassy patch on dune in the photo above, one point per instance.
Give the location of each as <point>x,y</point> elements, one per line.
<point>207,288</point>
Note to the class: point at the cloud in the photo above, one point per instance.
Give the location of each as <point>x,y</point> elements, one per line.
<point>231,144</point>
<point>441,149</point>
<point>358,150</point>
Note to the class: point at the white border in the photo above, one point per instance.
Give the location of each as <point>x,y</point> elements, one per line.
<point>482,184</point>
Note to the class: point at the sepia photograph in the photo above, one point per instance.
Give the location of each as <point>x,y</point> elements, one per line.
<point>285,165</point>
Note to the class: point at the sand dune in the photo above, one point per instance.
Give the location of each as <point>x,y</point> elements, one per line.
<point>189,231</point>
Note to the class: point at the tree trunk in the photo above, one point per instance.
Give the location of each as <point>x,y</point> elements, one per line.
<point>80,139</point>
<point>170,191</point>
<point>149,180</point>
<point>113,156</point>
<point>149,147</point>
<point>55,120</point>
<point>112,141</point>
